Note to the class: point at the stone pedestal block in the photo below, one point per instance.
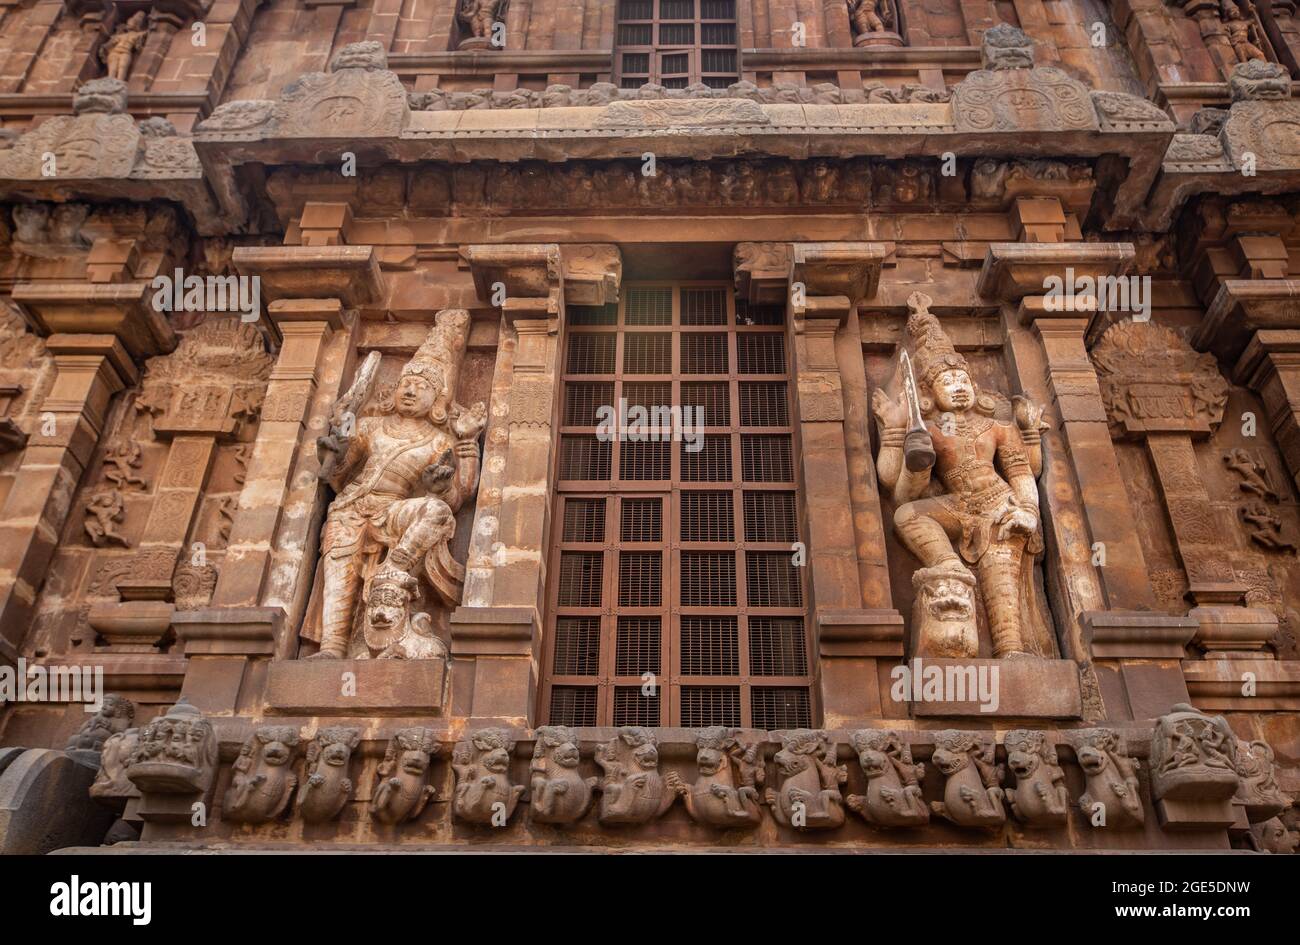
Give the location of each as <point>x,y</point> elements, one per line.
<point>357,687</point>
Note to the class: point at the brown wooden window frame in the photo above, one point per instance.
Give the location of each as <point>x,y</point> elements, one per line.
<point>611,681</point>
<point>662,45</point>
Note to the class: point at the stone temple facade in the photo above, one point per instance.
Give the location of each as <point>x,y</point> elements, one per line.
<point>641,423</point>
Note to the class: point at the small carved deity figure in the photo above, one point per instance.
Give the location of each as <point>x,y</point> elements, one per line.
<point>1271,836</point>
<point>403,789</point>
<point>484,794</point>
<point>401,476</point>
<point>1265,526</point>
<point>1254,474</point>
<point>478,18</point>
<point>808,797</point>
<point>115,715</point>
<point>1258,791</point>
<point>870,16</point>
<point>176,753</point>
<point>118,51</point>
<point>632,790</point>
<point>104,510</point>
<point>560,795</point>
<point>1039,797</point>
<point>327,786</point>
<point>1111,798</point>
<point>987,454</point>
<point>726,792</point>
<point>263,781</point>
<point>1193,756</point>
<point>972,795</point>
<point>1243,33</point>
<point>893,797</point>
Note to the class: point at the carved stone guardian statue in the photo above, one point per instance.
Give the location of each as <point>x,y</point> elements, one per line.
<point>115,716</point>
<point>559,794</point>
<point>400,475</point>
<point>484,794</point>
<point>987,456</point>
<point>263,781</point>
<point>632,791</point>
<point>893,797</point>
<point>403,790</point>
<point>972,792</point>
<point>1039,797</point>
<point>726,792</point>
<point>327,786</point>
<point>808,796</point>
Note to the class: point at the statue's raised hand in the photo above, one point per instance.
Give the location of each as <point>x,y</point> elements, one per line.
<point>1029,416</point>
<point>891,412</point>
<point>468,422</point>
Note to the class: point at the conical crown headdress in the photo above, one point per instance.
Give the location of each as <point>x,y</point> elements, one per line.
<point>438,359</point>
<point>933,351</point>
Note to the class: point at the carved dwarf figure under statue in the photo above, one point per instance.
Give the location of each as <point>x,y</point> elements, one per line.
<point>981,510</point>
<point>402,465</point>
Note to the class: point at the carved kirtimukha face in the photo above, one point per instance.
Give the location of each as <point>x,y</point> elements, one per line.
<point>276,754</point>
<point>415,396</point>
<point>1023,763</point>
<point>709,760</point>
<point>387,606</point>
<point>414,762</point>
<point>949,599</point>
<point>953,390</point>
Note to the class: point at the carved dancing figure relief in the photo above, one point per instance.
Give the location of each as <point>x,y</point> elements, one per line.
<point>400,475</point>
<point>987,454</point>
<point>118,51</point>
<point>870,16</point>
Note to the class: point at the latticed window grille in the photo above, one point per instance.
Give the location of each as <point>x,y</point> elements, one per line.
<point>674,43</point>
<point>674,598</point>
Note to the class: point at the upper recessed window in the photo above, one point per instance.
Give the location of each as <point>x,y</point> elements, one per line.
<point>675,43</point>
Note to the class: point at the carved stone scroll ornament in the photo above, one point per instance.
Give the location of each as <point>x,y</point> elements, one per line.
<point>1112,797</point>
<point>893,797</point>
<point>327,785</point>
<point>263,782</point>
<point>808,792</point>
<point>980,519</point>
<point>484,794</point>
<point>176,753</point>
<point>1039,797</point>
<point>559,794</point>
<point>632,791</point>
<point>726,792</point>
<point>403,788</point>
<point>401,473</point>
<point>972,792</point>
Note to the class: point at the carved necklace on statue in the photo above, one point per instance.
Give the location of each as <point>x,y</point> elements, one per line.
<point>407,428</point>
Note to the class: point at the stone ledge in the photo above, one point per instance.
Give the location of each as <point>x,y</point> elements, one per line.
<point>383,687</point>
<point>1135,635</point>
<point>1216,685</point>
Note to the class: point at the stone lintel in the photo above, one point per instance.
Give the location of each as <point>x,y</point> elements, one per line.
<point>852,633</point>
<point>1240,308</point>
<point>109,347</point>
<point>1024,688</point>
<point>123,310</point>
<point>350,274</point>
<point>1013,270</point>
<point>1136,635</point>
<point>383,687</point>
<point>229,631</point>
<point>493,631</point>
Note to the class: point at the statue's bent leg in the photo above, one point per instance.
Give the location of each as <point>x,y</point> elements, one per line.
<point>419,525</point>
<point>927,527</point>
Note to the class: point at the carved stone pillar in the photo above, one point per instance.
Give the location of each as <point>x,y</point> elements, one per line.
<point>496,632</point>
<point>91,369</point>
<point>1101,574</point>
<point>856,625</point>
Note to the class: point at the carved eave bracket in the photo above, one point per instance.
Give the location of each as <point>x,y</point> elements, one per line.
<point>1242,307</point>
<point>350,274</point>
<point>1015,271</point>
<point>122,310</point>
<point>830,278</point>
<point>527,279</point>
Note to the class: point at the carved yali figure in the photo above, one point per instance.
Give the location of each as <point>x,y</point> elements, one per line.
<point>403,788</point>
<point>988,455</point>
<point>176,753</point>
<point>726,793</point>
<point>808,796</point>
<point>263,782</point>
<point>1258,790</point>
<point>400,475</point>
<point>560,795</point>
<point>893,797</point>
<point>484,794</point>
<point>632,790</point>
<point>1193,756</point>
<point>1039,797</point>
<point>972,795</point>
<point>327,786</point>
<point>1271,836</point>
<point>1112,797</point>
